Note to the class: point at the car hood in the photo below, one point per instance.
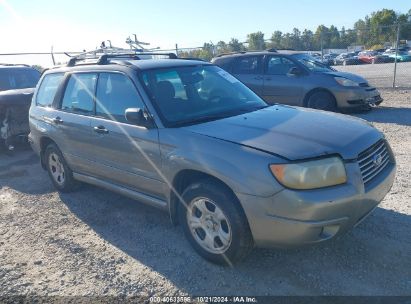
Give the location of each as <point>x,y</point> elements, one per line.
<point>294,133</point>
<point>349,76</point>
<point>16,97</point>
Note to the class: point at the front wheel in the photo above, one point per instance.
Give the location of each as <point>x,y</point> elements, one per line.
<point>322,100</point>
<point>214,223</point>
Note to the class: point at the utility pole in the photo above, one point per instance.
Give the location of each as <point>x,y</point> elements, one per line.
<point>177,49</point>
<point>396,54</point>
<point>322,45</point>
<point>52,56</point>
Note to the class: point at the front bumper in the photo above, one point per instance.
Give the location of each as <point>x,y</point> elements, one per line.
<point>357,97</point>
<point>293,218</point>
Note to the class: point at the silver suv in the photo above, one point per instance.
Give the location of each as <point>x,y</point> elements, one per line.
<point>187,137</point>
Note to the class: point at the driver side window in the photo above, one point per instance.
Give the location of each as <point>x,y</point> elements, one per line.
<point>115,94</point>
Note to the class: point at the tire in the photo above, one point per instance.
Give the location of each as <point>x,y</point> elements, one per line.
<point>322,100</point>
<point>59,172</point>
<point>220,232</point>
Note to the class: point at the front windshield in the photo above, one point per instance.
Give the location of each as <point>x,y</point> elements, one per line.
<point>195,94</point>
<point>312,64</point>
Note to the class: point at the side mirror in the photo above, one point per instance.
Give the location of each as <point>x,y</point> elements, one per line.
<point>294,71</point>
<point>138,117</point>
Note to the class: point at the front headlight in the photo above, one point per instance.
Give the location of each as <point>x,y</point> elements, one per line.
<point>310,174</point>
<point>346,82</point>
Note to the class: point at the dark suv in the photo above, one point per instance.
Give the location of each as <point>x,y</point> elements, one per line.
<point>189,138</point>
<point>296,78</point>
<point>17,83</point>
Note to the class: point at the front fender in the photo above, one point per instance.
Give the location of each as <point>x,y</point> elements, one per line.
<point>243,169</point>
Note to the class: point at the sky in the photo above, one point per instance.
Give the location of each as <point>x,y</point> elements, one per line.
<point>74,25</point>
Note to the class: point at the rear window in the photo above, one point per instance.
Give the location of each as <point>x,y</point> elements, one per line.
<point>224,63</point>
<point>48,88</point>
<point>18,78</point>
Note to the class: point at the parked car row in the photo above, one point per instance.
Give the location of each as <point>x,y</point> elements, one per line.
<point>370,57</point>
<point>191,139</point>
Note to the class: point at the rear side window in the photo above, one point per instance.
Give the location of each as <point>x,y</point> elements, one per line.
<point>277,65</point>
<point>79,94</point>
<point>247,65</point>
<point>115,94</point>
<point>48,88</point>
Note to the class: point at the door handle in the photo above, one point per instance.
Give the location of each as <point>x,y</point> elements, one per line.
<point>100,130</point>
<point>268,78</point>
<point>57,120</point>
<point>258,78</point>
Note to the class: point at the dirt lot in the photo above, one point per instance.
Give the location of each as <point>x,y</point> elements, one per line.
<point>381,75</point>
<point>94,242</point>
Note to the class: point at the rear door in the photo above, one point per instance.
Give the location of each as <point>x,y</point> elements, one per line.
<point>249,70</point>
<point>279,85</point>
<point>125,154</point>
<point>71,121</point>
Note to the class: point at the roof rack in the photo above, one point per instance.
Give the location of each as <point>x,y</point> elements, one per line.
<point>102,59</point>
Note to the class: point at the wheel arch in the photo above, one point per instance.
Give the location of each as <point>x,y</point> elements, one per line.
<point>45,141</point>
<point>315,90</point>
<point>182,180</point>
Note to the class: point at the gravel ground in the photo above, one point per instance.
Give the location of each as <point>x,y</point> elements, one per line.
<point>382,75</point>
<point>94,242</point>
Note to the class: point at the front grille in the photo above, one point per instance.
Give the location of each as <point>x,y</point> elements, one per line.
<point>373,160</point>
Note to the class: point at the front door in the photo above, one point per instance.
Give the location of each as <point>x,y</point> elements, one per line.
<point>125,154</point>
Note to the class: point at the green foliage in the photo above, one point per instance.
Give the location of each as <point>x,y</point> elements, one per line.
<point>235,46</point>
<point>374,31</point>
<point>256,41</point>
<point>38,67</point>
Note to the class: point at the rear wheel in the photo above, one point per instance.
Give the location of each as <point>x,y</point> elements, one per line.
<point>214,223</point>
<point>322,100</point>
<point>60,174</point>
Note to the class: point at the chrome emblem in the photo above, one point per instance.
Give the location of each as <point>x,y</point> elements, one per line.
<point>377,160</point>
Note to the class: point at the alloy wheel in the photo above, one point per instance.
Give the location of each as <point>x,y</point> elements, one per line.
<point>57,168</point>
<point>209,225</point>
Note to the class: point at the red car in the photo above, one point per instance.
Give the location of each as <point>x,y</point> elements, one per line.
<point>373,57</point>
